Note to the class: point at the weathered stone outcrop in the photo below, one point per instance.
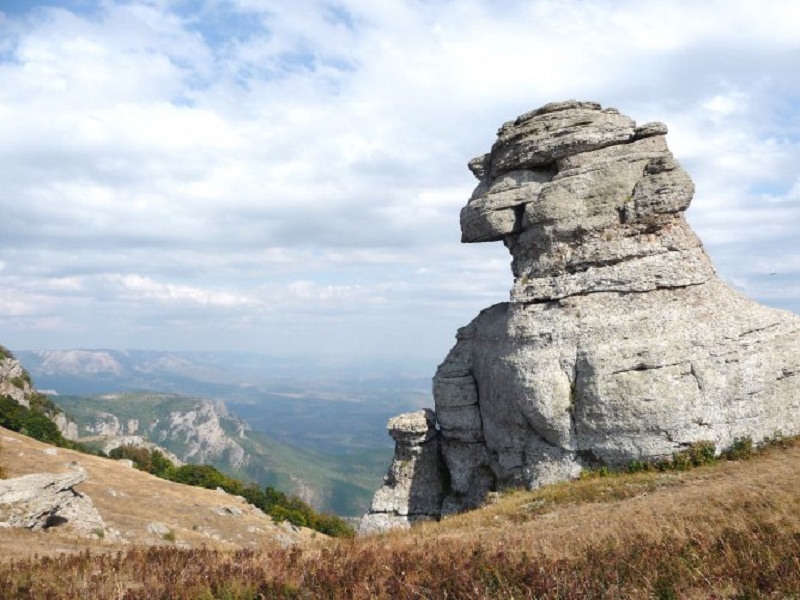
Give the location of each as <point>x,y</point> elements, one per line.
<point>620,342</point>
<point>413,488</point>
<point>67,428</point>
<point>203,436</point>
<point>197,431</point>
<point>15,383</point>
<point>45,500</point>
<point>14,380</point>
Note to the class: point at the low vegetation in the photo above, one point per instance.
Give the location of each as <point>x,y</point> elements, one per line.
<point>33,421</point>
<point>273,502</point>
<point>722,530</point>
<point>36,422</point>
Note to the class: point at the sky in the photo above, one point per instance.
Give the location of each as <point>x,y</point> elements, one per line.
<point>286,177</point>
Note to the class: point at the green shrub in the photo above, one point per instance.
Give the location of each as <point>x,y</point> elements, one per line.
<point>205,476</point>
<point>696,455</point>
<point>742,449</point>
<point>31,422</point>
<point>39,426</point>
<point>17,382</point>
<point>153,462</point>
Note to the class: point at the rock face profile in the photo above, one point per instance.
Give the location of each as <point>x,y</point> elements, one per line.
<point>619,342</point>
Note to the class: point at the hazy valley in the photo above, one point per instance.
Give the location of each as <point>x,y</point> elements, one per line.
<point>314,430</point>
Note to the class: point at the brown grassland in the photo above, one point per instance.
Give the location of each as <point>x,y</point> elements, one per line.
<point>728,530</point>
<point>130,501</point>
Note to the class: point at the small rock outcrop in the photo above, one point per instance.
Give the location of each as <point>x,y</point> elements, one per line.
<point>44,500</point>
<point>14,379</point>
<point>619,342</point>
<point>413,488</point>
<point>67,428</point>
<point>15,383</point>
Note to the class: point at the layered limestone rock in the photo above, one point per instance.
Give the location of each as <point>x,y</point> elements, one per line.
<point>620,342</point>
<point>204,437</point>
<point>45,500</point>
<point>413,488</point>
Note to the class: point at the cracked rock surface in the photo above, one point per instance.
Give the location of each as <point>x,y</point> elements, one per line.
<point>413,487</point>
<point>619,342</point>
<point>43,500</point>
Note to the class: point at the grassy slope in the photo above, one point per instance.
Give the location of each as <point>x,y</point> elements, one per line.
<point>129,501</point>
<point>727,531</point>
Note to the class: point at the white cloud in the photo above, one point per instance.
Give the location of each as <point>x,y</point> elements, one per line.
<point>247,167</point>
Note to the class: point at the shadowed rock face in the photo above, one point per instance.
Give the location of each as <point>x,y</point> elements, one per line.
<point>620,342</point>
<point>413,488</point>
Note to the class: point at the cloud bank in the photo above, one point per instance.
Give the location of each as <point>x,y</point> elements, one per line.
<point>287,177</point>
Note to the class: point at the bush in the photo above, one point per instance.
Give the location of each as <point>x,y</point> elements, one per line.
<point>153,462</point>
<point>39,426</point>
<point>205,476</point>
<point>742,449</point>
<point>32,422</point>
<point>697,455</point>
<point>17,382</point>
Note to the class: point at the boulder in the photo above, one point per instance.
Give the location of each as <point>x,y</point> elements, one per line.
<point>44,500</point>
<point>619,342</point>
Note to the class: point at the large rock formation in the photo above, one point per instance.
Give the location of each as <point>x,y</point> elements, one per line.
<point>620,342</point>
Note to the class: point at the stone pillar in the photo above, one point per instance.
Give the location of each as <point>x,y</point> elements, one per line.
<point>413,488</point>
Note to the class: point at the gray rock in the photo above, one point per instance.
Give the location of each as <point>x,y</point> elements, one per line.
<point>554,131</point>
<point>13,382</point>
<point>158,528</point>
<point>413,488</point>
<point>45,500</point>
<point>228,511</point>
<point>619,342</point>
<point>68,429</point>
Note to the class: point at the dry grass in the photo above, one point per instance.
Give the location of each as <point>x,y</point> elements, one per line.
<point>3,472</point>
<point>129,501</point>
<point>728,531</point>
